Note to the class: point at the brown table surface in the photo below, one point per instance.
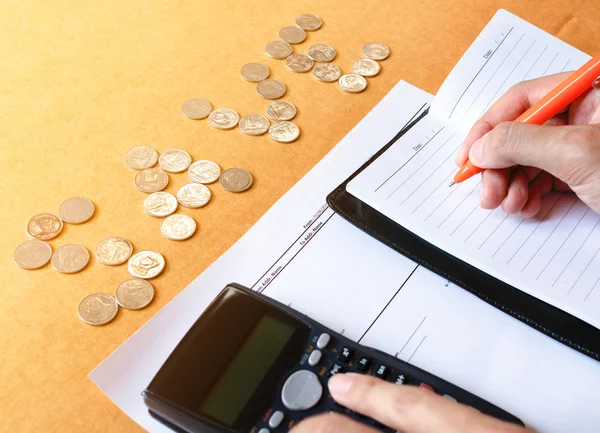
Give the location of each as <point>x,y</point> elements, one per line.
<point>81,82</point>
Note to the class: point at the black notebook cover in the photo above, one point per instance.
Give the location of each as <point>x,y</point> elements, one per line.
<point>530,310</point>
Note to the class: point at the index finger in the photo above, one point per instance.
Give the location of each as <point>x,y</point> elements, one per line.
<point>511,105</point>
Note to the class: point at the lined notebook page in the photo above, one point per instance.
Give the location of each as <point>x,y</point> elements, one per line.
<point>555,256</point>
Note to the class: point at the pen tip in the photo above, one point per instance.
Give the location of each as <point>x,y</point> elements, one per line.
<point>451,184</point>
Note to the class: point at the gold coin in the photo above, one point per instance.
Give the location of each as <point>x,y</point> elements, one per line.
<point>113,251</point>
<point>366,67</point>
<point>376,51</point>
<point>284,131</point>
<point>70,258</point>
<point>160,204</point>
<point>193,195</point>
<point>278,49</point>
<point>178,227</point>
<point>352,83</point>
<point>196,108</point>
<point>76,210</point>
<point>223,118</point>
<point>281,110</point>
<point>327,72</point>
<point>32,254</point>
<point>254,124</point>
<point>204,171</point>
<point>292,35</point>
<point>309,22</point>
<point>134,294</point>
<point>174,160</point>
<point>146,264</point>
<point>151,180</point>
<point>322,53</point>
<point>298,63</point>
<point>44,226</point>
<point>97,309</point>
<point>271,89</point>
<point>254,72</point>
<point>141,157</point>
<point>236,180</point>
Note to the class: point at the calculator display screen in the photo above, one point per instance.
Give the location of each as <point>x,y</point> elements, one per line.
<point>239,380</point>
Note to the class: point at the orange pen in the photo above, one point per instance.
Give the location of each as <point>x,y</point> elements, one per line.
<point>550,105</point>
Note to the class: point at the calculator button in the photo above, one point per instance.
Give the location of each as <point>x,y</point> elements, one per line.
<point>315,357</point>
<point>449,397</point>
<point>363,363</point>
<point>323,341</point>
<point>276,419</point>
<point>344,355</point>
<point>301,391</point>
<point>400,379</point>
<point>425,386</point>
<point>335,369</point>
<point>264,430</point>
<point>382,371</point>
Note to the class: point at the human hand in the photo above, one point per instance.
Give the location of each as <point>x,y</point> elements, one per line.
<point>404,408</point>
<point>525,162</point>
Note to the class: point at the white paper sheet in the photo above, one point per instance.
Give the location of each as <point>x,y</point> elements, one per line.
<point>302,254</point>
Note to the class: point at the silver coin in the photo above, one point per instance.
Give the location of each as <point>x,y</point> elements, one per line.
<point>146,264</point>
<point>352,83</point>
<point>113,251</point>
<point>271,89</point>
<point>160,204</point>
<point>376,51</point>
<point>70,258</point>
<point>141,157</point>
<point>174,160</point>
<point>196,108</point>
<point>292,35</point>
<point>134,294</point>
<point>193,195</point>
<point>327,72</point>
<point>254,72</point>
<point>366,67</point>
<point>254,124</point>
<point>76,210</point>
<point>309,22</point>
<point>178,227</point>
<point>236,180</point>
<point>204,171</point>
<point>151,180</point>
<point>284,131</point>
<point>223,118</point>
<point>281,110</point>
<point>321,53</point>
<point>278,49</point>
<point>44,226</point>
<point>299,63</point>
<point>97,309</point>
<point>32,254</point>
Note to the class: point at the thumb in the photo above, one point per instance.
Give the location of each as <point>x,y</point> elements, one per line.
<point>570,153</point>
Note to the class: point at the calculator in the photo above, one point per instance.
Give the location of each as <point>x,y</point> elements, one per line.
<point>251,364</point>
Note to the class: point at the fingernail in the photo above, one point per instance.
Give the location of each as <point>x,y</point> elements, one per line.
<point>340,384</point>
<point>476,153</point>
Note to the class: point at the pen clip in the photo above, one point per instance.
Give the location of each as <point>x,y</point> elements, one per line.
<point>596,83</point>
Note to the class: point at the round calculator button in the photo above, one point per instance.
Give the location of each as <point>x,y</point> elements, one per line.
<point>301,391</point>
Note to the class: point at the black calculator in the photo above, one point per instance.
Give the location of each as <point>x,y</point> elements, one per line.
<point>251,364</point>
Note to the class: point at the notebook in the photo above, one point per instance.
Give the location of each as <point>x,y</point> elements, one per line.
<point>544,271</point>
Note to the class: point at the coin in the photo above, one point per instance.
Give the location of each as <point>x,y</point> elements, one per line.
<point>321,53</point>
<point>70,258</point>
<point>366,67</point>
<point>32,254</point>
<point>193,195</point>
<point>284,131</point>
<point>278,49</point>
<point>254,124</point>
<point>113,251</point>
<point>174,160</point>
<point>196,108</point>
<point>151,180</point>
<point>281,110</point>
<point>134,294</point>
<point>178,227</point>
<point>327,72</point>
<point>204,171</point>
<point>292,35</point>
<point>254,72</point>
<point>44,226</point>
<point>146,264</point>
<point>271,89</point>
<point>97,309</point>
<point>298,63</point>
<point>308,22</point>
<point>223,118</point>
<point>236,180</point>
<point>376,51</point>
<point>76,210</point>
<point>160,204</point>
<point>141,157</point>
<point>352,83</point>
